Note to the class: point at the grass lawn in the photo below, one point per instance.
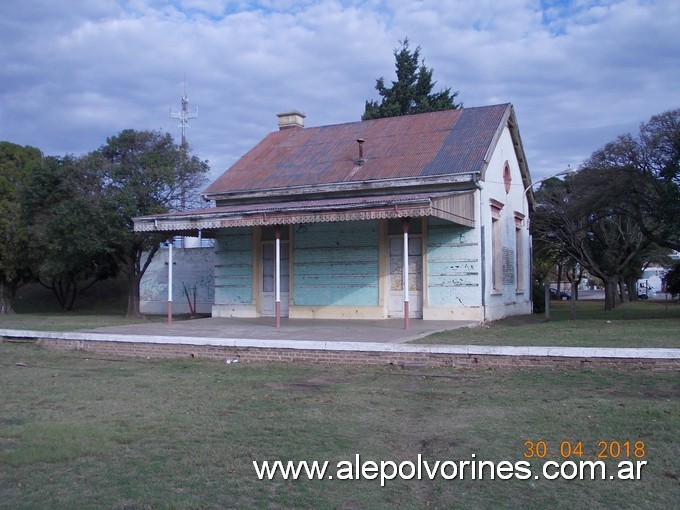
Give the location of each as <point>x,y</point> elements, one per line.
<point>641,324</point>
<point>102,305</point>
<point>84,432</point>
<point>68,321</point>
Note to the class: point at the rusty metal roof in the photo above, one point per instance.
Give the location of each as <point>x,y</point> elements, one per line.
<point>431,144</point>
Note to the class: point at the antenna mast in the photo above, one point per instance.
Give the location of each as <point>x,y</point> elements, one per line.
<point>183,115</point>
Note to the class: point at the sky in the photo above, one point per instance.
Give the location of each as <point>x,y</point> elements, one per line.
<point>579,73</point>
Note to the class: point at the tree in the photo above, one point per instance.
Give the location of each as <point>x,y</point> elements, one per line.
<point>543,262</point>
<point>145,172</point>
<point>70,225</point>
<point>672,280</point>
<point>649,167</point>
<point>581,217</point>
<point>68,221</point>
<point>653,254</point>
<point>17,163</point>
<point>550,259</point>
<point>412,92</point>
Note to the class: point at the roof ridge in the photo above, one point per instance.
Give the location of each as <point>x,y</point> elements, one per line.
<point>360,121</point>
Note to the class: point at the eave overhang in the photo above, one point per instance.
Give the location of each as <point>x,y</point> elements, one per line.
<point>457,207</point>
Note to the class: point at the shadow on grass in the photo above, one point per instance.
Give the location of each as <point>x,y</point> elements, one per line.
<point>105,304</point>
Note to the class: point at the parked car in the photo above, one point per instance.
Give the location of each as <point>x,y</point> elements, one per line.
<point>562,295</point>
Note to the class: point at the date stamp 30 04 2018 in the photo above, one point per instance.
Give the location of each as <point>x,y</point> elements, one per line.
<point>570,449</point>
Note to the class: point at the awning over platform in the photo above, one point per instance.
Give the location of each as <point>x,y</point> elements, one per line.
<point>455,207</point>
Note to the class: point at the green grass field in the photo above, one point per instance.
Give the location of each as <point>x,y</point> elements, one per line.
<point>78,431</point>
<point>81,430</point>
<point>641,324</point>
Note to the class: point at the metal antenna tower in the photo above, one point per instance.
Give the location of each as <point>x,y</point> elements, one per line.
<point>183,115</point>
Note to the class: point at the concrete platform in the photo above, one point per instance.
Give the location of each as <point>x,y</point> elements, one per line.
<point>384,336</point>
<point>312,330</point>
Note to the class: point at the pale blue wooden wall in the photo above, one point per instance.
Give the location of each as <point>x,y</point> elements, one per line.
<point>336,264</point>
<point>234,266</point>
<point>453,265</point>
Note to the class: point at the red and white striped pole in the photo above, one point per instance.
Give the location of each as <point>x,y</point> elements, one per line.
<point>405,225</point>
<point>170,280</point>
<point>277,276</point>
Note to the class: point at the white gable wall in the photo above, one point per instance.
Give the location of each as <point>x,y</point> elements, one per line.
<point>509,294</point>
<point>453,272</point>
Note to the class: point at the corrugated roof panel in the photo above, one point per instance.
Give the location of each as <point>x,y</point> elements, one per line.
<point>467,142</point>
<point>438,143</point>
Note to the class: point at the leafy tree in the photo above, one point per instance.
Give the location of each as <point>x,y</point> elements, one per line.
<point>412,92</point>
<point>581,217</point>
<point>70,228</point>
<point>549,259</point>
<point>144,172</point>
<point>649,168</point>
<point>80,210</point>
<point>16,166</point>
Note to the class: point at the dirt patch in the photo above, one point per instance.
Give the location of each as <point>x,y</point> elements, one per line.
<point>661,394</point>
<point>296,387</point>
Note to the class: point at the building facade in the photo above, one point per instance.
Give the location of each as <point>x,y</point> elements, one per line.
<point>423,216</point>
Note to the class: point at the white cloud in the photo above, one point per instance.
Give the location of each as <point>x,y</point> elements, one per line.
<point>578,73</point>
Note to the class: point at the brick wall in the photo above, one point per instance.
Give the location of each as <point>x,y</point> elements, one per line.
<point>281,355</point>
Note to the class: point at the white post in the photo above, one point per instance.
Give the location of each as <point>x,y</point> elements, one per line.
<point>405,224</point>
<point>277,277</point>
<point>170,281</point>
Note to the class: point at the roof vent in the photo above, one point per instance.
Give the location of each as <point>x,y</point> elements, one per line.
<point>361,159</point>
<point>291,119</point>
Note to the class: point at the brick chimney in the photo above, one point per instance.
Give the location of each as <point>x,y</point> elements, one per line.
<point>291,119</point>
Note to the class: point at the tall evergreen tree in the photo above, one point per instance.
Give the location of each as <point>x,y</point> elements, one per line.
<point>412,92</point>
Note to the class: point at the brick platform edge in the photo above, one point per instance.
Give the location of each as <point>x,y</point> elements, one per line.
<point>358,353</point>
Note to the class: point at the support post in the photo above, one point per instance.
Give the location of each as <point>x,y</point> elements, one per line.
<point>546,297</point>
<point>277,276</point>
<point>170,281</point>
<point>405,225</point>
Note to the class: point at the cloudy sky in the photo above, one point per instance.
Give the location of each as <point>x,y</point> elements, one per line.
<point>579,73</point>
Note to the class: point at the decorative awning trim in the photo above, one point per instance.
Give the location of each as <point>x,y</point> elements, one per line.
<point>455,207</point>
